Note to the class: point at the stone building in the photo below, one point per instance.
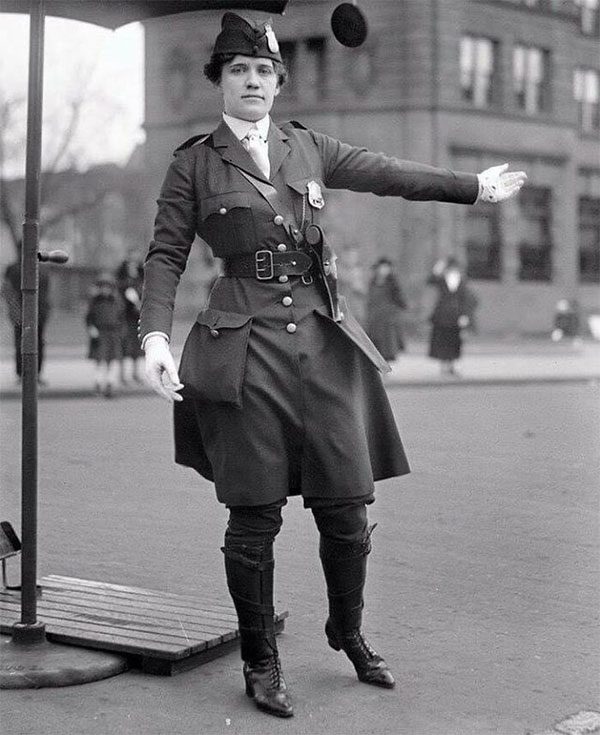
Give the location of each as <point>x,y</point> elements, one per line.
<point>458,83</point>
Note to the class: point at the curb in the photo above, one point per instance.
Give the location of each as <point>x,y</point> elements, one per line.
<point>389,383</point>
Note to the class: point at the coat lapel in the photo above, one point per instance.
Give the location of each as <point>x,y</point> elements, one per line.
<point>279,148</point>
<point>231,150</point>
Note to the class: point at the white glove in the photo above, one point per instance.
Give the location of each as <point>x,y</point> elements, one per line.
<point>463,321</point>
<point>497,184</point>
<point>93,331</point>
<point>161,373</point>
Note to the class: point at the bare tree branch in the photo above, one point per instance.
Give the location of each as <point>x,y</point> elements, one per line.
<point>76,208</point>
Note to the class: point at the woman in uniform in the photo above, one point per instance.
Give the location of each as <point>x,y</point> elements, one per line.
<point>279,391</point>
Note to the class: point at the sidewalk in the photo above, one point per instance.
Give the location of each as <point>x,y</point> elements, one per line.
<point>68,374</point>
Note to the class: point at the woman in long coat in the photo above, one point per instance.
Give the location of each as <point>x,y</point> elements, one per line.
<point>453,311</point>
<point>384,304</point>
<point>280,390</point>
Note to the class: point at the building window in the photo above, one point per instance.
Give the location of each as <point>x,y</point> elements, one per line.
<point>316,65</point>
<point>586,84</point>
<point>483,246</point>
<point>589,17</point>
<point>478,64</point>
<point>535,246</point>
<point>531,79</point>
<point>589,240</point>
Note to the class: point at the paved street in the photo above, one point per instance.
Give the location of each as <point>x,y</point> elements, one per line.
<point>483,588</point>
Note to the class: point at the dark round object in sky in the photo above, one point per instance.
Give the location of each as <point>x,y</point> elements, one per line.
<point>349,25</point>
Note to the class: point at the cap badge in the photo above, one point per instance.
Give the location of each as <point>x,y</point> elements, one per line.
<point>271,40</point>
<point>315,195</point>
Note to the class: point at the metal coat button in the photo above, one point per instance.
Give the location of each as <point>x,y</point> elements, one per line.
<point>283,279</point>
<point>282,247</point>
<point>291,327</point>
<point>278,219</point>
<point>287,301</point>
<point>223,210</point>
<point>214,332</point>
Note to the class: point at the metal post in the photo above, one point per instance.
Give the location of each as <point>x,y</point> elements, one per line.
<point>29,630</point>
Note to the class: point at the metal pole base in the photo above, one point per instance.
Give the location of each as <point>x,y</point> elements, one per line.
<point>46,664</point>
<point>25,634</point>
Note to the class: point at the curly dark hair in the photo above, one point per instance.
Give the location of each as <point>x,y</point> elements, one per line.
<point>214,68</point>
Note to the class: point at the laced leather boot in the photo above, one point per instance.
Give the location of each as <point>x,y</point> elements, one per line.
<point>370,666</point>
<point>249,571</point>
<point>266,686</point>
<point>345,568</point>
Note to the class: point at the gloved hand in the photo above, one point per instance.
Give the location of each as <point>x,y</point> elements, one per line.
<point>160,369</point>
<point>463,321</point>
<point>93,331</point>
<point>498,184</point>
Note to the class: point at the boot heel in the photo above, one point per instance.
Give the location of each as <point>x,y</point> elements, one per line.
<point>249,687</point>
<point>331,638</point>
<point>334,644</point>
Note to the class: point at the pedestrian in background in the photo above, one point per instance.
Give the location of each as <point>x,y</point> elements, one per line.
<point>104,322</point>
<point>281,392</point>
<point>454,311</point>
<point>567,321</point>
<point>130,277</point>
<point>11,293</point>
<point>384,305</point>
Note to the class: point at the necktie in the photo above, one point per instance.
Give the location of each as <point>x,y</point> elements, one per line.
<point>257,148</point>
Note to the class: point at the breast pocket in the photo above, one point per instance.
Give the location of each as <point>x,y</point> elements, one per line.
<point>214,357</point>
<point>227,223</point>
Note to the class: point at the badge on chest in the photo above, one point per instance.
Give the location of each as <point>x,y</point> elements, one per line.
<point>315,195</point>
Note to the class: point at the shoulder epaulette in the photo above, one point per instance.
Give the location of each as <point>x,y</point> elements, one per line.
<point>194,140</point>
<point>296,124</point>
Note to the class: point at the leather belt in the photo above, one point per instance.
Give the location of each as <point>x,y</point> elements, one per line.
<point>267,264</point>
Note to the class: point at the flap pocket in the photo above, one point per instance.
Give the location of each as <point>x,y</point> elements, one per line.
<point>222,203</point>
<point>216,318</point>
<point>213,360</point>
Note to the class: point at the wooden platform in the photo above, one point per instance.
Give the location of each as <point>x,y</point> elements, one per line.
<point>161,633</point>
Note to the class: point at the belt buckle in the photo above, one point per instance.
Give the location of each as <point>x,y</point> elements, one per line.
<point>263,262</point>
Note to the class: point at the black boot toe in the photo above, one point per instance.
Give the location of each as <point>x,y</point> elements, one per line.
<point>266,686</point>
<point>370,666</point>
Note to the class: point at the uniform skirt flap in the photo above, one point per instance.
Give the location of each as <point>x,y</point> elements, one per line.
<point>352,329</point>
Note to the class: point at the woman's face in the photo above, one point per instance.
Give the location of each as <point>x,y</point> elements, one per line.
<point>249,86</point>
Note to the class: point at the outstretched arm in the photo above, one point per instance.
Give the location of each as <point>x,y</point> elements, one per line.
<point>357,169</point>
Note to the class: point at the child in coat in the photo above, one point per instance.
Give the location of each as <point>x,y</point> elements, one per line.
<point>104,321</point>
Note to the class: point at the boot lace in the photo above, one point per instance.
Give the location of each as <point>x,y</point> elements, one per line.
<point>275,673</point>
<point>359,645</point>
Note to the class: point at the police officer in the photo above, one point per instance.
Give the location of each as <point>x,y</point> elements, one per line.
<point>279,390</point>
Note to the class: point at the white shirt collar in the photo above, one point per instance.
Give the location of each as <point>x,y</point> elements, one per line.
<point>240,128</point>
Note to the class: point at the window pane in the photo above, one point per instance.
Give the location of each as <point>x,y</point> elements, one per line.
<point>483,242</point>
<point>535,237</point>
<point>589,240</point>
<point>477,65</point>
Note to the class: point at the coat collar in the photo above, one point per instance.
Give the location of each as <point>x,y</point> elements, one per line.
<point>231,150</point>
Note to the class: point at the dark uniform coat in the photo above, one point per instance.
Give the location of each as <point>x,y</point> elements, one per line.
<point>283,388</point>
